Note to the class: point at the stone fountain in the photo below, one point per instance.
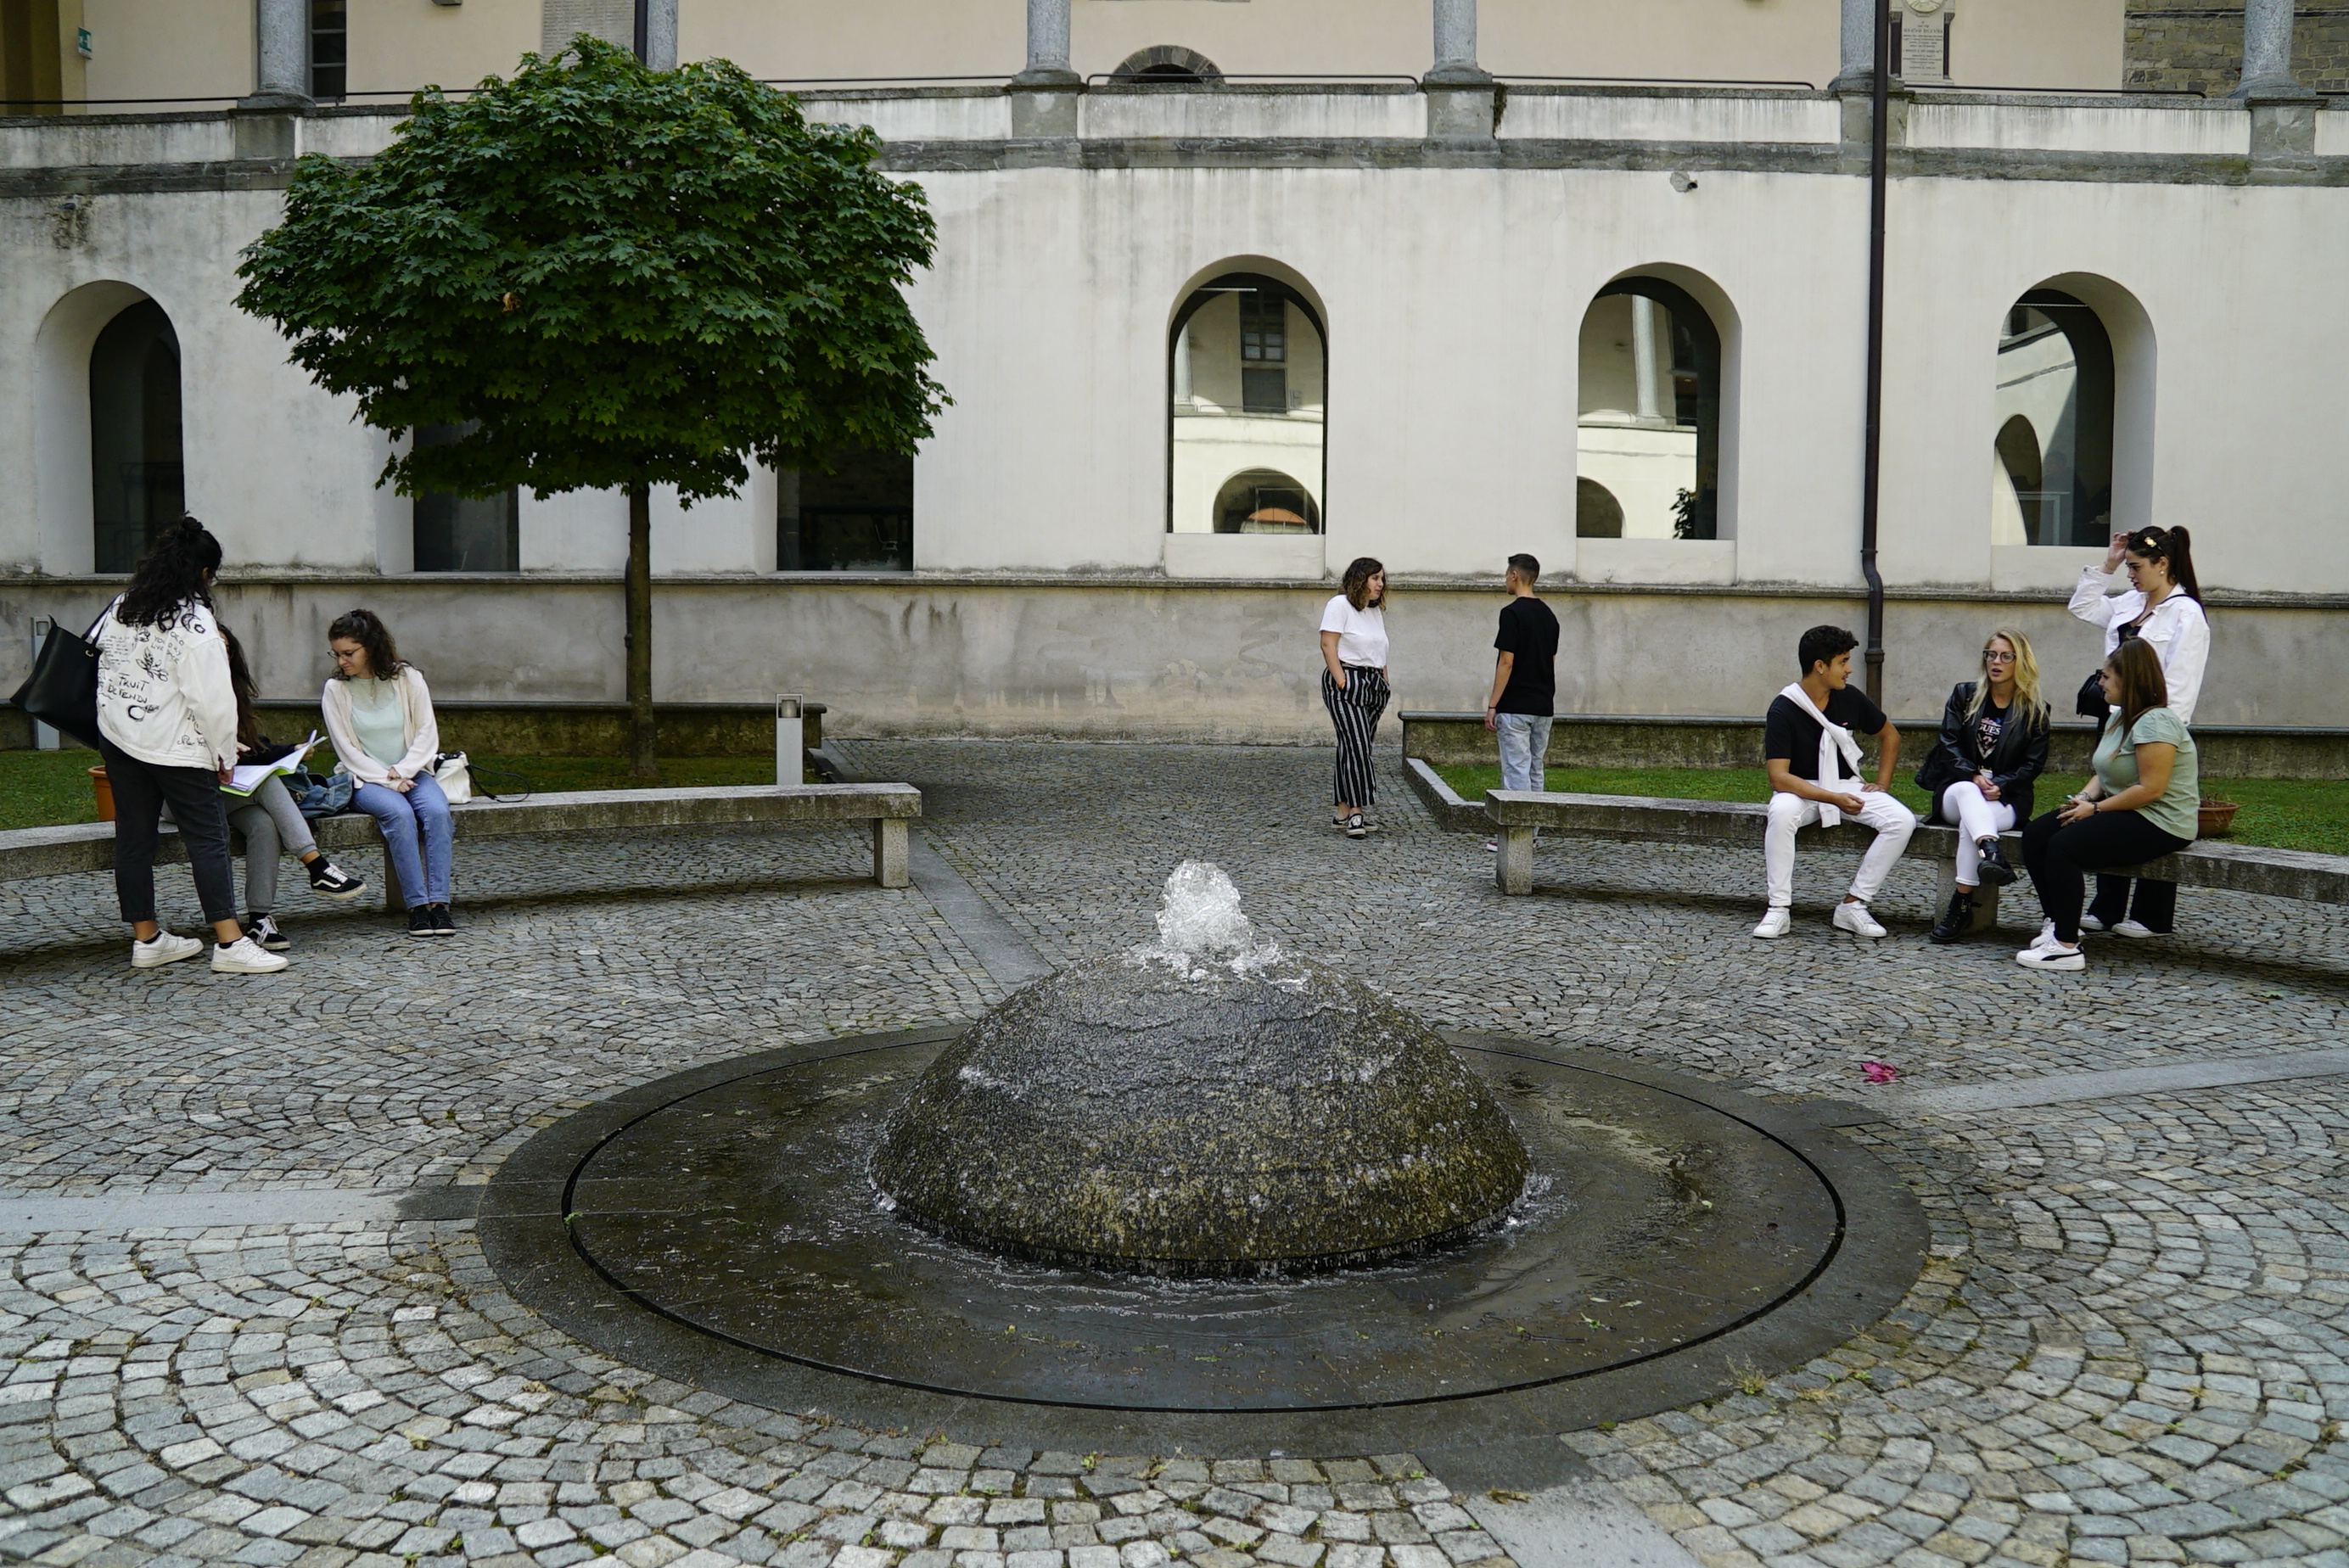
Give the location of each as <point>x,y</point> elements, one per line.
<point>1201,1105</point>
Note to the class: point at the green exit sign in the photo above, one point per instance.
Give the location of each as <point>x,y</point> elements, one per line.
<point>82,44</point>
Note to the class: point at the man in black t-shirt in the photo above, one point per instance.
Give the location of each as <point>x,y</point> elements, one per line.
<point>1524,679</point>
<point>1814,778</point>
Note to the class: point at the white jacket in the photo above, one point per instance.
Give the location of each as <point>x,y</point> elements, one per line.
<point>422,730</point>
<point>2178,630</point>
<point>163,691</point>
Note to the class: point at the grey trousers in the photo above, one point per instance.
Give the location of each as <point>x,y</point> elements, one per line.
<point>271,825</point>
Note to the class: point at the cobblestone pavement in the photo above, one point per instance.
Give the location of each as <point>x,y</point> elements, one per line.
<point>2129,1346</point>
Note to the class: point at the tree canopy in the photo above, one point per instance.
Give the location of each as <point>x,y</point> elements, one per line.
<point>613,276</point>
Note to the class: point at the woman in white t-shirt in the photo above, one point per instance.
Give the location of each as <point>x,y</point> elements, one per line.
<point>1354,686</point>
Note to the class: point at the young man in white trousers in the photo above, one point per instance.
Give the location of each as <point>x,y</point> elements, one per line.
<point>1808,742</point>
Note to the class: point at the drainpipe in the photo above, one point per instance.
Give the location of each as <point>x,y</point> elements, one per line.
<point>1872,474</point>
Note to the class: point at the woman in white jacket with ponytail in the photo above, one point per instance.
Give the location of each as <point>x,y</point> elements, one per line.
<point>167,728</point>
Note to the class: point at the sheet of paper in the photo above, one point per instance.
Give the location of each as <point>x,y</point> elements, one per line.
<point>245,778</point>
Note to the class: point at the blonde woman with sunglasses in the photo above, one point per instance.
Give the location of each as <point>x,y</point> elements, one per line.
<point>1979,773</point>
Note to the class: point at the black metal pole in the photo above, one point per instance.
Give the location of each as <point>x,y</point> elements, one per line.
<point>644,29</point>
<point>1872,471</point>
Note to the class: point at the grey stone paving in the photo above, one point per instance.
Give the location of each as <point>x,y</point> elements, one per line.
<point>2129,1348</point>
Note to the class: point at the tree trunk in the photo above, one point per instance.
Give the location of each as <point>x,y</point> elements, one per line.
<point>643,749</point>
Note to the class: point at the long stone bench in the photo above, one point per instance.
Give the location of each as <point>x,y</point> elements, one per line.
<point>90,846</point>
<point>1516,815</point>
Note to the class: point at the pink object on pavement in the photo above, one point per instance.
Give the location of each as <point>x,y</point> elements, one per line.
<point>1879,1072</point>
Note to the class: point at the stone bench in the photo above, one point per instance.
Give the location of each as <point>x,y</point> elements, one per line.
<point>90,846</point>
<point>1518,814</point>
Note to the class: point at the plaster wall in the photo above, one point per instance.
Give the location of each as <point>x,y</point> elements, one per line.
<point>153,50</point>
<point>2038,43</point>
<point>1138,660</point>
<point>402,45</point>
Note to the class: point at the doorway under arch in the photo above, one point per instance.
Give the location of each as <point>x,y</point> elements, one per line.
<point>137,472</point>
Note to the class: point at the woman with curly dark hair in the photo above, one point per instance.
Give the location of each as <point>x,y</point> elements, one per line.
<point>167,728</point>
<point>380,716</point>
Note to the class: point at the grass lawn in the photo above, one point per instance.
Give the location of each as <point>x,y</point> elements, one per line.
<point>44,788</point>
<point>2279,813</point>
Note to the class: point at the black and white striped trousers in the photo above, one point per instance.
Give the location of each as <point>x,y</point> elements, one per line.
<point>1355,711</point>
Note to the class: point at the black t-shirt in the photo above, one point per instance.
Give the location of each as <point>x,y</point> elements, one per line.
<point>1989,725</point>
<point>1530,632</point>
<point>1788,732</point>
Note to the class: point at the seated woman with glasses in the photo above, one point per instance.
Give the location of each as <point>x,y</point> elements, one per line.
<point>1993,748</point>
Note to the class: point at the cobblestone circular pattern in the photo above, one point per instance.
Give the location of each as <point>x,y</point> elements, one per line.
<point>733,1205</point>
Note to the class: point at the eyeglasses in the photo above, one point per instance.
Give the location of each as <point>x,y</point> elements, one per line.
<point>1990,656</point>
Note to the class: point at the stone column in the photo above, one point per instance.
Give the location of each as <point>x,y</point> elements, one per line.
<point>2283,112</point>
<point>1459,91</point>
<point>661,34</point>
<point>1044,96</point>
<point>282,30</point>
<point>1643,357</point>
<point>1858,52</point>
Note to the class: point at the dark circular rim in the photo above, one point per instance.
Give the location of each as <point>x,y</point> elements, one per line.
<point>1878,1252</point>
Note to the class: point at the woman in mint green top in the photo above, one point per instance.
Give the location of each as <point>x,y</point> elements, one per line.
<point>2143,804</point>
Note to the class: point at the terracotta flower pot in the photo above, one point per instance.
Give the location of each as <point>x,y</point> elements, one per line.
<point>105,791</point>
<point>2218,817</point>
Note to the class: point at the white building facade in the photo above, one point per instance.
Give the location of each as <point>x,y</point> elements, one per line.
<point>1210,338</point>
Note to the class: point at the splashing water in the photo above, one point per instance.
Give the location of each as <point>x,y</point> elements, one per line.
<point>1200,921</point>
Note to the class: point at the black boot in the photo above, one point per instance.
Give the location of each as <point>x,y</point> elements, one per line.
<point>1956,925</point>
<point>1994,868</point>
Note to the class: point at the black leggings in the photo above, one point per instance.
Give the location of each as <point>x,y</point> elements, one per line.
<point>2059,858</point>
<point>2155,905</point>
<point>140,789</point>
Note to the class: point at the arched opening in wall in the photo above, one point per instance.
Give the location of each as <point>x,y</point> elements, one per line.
<point>1247,389</point>
<point>1167,65</point>
<point>1649,422</point>
<point>2055,422</point>
<point>1266,500</point>
<point>1596,513</point>
<point>137,475</point>
<point>465,534</point>
<point>857,514</point>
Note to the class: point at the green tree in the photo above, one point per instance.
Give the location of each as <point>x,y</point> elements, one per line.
<point>612,277</point>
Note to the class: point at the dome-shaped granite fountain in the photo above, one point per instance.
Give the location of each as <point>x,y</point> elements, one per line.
<point>1201,1106</point>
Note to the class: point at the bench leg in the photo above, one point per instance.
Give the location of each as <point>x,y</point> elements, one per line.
<point>1945,888</point>
<point>1513,868</point>
<point>395,899</point>
<point>891,852</point>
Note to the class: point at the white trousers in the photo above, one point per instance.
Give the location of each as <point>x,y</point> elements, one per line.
<point>1977,818</point>
<point>1893,824</point>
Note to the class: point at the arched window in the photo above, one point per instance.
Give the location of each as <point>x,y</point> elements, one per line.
<point>136,480</point>
<point>1167,65</point>
<point>2053,479</point>
<point>1246,389</point>
<point>1649,436</point>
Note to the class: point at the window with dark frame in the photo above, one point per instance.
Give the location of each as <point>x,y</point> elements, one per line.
<point>855,515</point>
<point>464,533</point>
<point>330,51</point>
<point>1264,352</point>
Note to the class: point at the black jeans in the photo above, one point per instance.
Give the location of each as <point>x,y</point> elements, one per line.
<point>2154,905</point>
<point>2060,857</point>
<point>140,789</point>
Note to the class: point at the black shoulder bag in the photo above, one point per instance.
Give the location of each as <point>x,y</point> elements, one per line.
<point>62,690</point>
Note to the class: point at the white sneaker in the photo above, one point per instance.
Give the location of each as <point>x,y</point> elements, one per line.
<point>2090,922</point>
<point>1775,924</point>
<point>1855,918</point>
<point>2047,937</point>
<point>165,949</point>
<point>245,957</point>
<point>2134,929</point>
<point>2052,957</point>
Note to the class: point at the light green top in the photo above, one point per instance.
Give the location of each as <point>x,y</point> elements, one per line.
<point>376,720</point>
<point>2178,812</point>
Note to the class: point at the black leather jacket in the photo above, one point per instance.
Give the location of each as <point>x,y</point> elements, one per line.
<point>2015,767</point>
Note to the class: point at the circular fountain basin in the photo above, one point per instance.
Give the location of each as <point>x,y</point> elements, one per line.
<point>1201,1118</point>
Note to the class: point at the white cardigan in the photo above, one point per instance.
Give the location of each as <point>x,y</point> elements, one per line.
<point>163,691</point>
<point>2178,630</point>
<point>420,729</point>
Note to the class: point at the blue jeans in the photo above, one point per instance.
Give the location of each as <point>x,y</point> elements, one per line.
<point>1525,749</point>
<point>417,820</point>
